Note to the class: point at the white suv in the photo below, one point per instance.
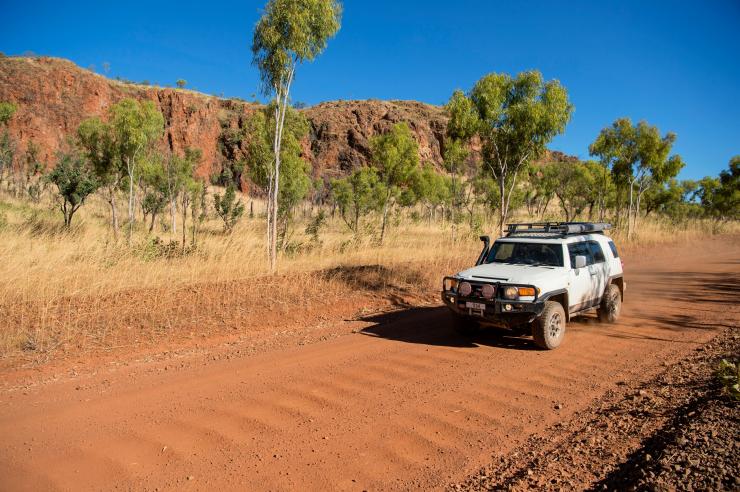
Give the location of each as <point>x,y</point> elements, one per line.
<point>536,278</point>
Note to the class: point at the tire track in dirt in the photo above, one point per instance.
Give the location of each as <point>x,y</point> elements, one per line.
<point>405,403</point>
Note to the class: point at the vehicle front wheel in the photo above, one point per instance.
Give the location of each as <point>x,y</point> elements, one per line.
<point>465,326</point>
<point>548,329</point>
<point>611,305</point>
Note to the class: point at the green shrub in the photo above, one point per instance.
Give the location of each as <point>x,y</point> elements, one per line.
<point>728,374</point>
<point>155,249</point>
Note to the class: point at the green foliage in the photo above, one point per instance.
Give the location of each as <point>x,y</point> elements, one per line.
<point>516,118</point>
<point>181,83</point>
<point>135,126</point>
<point>576,186</point>
<point>313,229</point>
<point>639,159</point>
<point>98,143</point>
<point>154,184</point>
<point>720,196</point>
<point>395,155</point>
<point>728,374</point>
<point>289,33</point>
<point>357,195</point>
<point>75,181</point>
<point>155,248</point>
<point>295,180</point>
<point>7,153</point>
<point>431,188</point>
<point>228,208</point>
<point>7,110</point>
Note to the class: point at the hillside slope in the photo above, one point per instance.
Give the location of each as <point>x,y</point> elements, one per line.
<point>54,95</point>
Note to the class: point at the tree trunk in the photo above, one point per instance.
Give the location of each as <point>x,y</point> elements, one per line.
<point>629,211</point>
<point>113,212</point>
<point>154,217</point>
<point>173,213</point>
<point>502,210</point>
<point>385,217</point>
<point>131,218</point>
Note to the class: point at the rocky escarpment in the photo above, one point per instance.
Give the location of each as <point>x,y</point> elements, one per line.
<point>53,96</point>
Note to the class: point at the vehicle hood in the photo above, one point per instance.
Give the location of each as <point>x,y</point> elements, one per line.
<point>513,274</point>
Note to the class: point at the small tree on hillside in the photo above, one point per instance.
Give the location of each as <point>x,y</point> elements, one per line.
<point>181,83</point>
<point>75,181</point>
<point>288,33</point>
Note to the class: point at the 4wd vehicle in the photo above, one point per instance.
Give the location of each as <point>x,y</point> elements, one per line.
<point>536,278</point>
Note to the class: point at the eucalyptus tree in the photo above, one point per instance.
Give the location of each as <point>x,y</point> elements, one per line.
<point>135,127</point>
<point>431,188</point>
<point>97,141</point>
<point>357,195</point>
<point>461,127</point>
<point>517,118</point>
<point>288,33</point>
<point>396,157</point>
<point>294,181</point>
<point>639,158</point>
<point>720,197</point>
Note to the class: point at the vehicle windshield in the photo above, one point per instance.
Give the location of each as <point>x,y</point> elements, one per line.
<point>539,254</point>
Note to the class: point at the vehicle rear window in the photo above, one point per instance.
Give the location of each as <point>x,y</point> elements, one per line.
<point>614,249</point>
<point>597,252</point>
<point>541,254</point>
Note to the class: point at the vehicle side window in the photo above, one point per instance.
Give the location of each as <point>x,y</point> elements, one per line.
<point>596,252</point>
<point>614,249</point>
<point>579,249</point>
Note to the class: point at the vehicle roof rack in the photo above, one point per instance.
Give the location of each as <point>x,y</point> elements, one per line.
<point>556,228</point>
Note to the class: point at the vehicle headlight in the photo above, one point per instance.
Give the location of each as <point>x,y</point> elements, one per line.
<point>511,292</point>
<point>465,289</point>
<point>487,291</point>
<point>450,284</point>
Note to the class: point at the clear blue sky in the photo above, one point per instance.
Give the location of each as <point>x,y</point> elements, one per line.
<point>674,64</point>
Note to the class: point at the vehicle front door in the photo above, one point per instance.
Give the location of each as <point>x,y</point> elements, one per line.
<point>580,281</point>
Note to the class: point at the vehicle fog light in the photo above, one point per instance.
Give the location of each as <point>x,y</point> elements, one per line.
<point>465,289</point>
<point>487,291</point>
<point>507,307</point>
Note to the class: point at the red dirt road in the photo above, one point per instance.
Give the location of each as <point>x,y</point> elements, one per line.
<point>404,403</point>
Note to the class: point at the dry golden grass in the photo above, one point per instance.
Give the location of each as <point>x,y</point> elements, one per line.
<point>81,291</point>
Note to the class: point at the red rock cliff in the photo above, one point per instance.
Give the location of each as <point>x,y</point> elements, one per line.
<point>54,95</point>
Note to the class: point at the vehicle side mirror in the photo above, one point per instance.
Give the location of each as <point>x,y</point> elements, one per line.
<point>580,262</point>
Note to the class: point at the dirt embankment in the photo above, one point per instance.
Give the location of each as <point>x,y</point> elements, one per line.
<point>391,400</point>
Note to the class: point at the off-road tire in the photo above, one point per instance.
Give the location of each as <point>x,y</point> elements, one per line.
<point>611,305</point>
<point>548,329</point>
<point>465,326</point>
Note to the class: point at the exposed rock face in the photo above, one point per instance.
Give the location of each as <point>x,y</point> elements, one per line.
<point>341,131</point>
<point>53,96</point>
